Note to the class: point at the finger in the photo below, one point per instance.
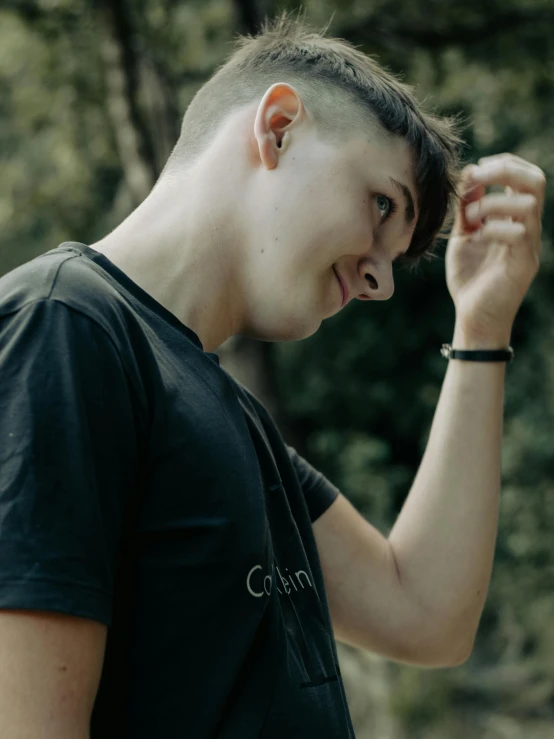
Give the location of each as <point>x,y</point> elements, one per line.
<point>512,174</point>
<point>508,231</point>
<point>512,233</point>
<point>507,155</point>
<point>518,206</point>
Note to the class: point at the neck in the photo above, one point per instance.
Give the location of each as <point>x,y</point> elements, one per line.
<point>180,250</point>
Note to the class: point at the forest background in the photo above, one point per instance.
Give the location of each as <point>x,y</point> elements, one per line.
<point>91,99</point>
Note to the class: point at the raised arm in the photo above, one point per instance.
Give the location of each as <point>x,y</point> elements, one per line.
<point>418,595</point>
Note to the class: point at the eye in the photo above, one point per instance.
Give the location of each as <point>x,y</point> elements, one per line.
<point>386,205</point>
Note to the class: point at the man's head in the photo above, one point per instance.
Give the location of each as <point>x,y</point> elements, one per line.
<point>323,165</point>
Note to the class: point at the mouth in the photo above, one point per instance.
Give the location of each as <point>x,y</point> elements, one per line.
<point>344,289</point>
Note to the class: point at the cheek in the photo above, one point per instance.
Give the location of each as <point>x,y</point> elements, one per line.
<point>314,217</point>
<point>334,226</point>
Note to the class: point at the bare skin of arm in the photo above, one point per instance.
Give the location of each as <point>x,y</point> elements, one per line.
<point>50,667</point>
<point>419,595</point>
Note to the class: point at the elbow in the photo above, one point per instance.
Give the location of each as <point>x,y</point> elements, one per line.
<point>450,637</point>
<point>459,654</point>
<point>454,648</point>
<point>463,633</point>
<point>442,656</point>
<point>441,648</point>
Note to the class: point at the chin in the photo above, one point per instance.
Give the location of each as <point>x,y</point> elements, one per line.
<point>288,328</point>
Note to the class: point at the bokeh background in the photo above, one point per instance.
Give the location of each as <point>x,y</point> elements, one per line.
<point>91,98</point>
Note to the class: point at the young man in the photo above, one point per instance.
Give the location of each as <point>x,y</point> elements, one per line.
<point>168,567</point>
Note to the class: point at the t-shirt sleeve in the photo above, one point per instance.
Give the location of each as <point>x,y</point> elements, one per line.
<point>68,458</point>
<point>318,491</point>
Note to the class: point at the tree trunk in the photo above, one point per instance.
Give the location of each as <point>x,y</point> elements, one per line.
<point>121,65</point>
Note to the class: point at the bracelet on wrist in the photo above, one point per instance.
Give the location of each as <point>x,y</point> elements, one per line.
<point>478,355</point>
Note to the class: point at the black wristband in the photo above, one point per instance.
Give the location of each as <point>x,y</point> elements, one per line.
<point>478,355</point>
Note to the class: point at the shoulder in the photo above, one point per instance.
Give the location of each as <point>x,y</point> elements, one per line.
<point>65,277</point>
<point>31,281</point>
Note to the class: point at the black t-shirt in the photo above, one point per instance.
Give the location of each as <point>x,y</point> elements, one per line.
<point>143,487</point>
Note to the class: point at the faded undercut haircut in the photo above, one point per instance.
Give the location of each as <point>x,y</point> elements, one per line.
<point>343,90</point>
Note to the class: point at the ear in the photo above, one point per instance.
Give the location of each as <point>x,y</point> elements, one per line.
<point>281,109</point>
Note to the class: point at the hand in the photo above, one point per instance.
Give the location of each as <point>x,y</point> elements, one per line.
<point>494,247</point>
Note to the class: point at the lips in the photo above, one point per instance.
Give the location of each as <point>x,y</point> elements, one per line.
<point>343,287</point>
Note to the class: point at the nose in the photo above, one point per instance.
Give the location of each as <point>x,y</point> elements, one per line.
<point>377,279</point>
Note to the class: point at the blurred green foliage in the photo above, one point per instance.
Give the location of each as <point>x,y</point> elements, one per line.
<point>91,96</point>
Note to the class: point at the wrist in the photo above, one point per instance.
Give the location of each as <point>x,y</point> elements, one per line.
<point>466,339</point>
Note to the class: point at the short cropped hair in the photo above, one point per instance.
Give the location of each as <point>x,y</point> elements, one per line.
<point>343,89</point>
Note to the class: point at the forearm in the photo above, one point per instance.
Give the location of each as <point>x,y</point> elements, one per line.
<point>444,538</point>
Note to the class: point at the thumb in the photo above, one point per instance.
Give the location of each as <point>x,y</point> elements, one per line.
<point>468,194</point>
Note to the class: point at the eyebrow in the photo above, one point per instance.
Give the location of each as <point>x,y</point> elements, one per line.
<point>409,209</point>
